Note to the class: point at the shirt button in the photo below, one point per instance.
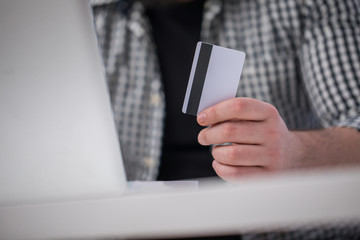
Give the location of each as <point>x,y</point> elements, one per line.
<point>150,162</point>
<point>155,99</point>
<point>136,29</point>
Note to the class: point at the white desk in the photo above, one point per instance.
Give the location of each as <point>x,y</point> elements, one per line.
<point>284,201</point>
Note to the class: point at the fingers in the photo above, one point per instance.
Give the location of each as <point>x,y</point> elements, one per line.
<point>239,155</point>
<point>234,173</point>
<point>242,132</point>
<point>235,132</point>
<point>259,137</point>
<point>236,109</point>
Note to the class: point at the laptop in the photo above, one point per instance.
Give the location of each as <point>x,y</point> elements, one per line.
<point>58,140</point>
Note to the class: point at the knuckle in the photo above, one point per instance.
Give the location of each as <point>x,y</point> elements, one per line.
<point>238,105</point>
<point>232,153</point>
<point>228,130</point>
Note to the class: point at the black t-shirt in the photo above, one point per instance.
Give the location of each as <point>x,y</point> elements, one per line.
<point>176,30</point>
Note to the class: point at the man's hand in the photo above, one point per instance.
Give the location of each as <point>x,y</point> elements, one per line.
<point>261,142</point>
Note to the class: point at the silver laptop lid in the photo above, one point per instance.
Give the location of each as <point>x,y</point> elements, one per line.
<point>57,135</point>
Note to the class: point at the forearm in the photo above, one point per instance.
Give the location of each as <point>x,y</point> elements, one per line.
<point>326,147</point>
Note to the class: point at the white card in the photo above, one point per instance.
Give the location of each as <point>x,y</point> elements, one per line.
<point>214,77</point>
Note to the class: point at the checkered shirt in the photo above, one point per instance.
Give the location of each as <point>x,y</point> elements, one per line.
<point>302,56</point>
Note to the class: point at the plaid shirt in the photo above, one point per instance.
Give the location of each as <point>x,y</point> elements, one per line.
<point>302,56</point>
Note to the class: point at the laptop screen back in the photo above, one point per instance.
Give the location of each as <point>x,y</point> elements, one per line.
<point>57,135</point>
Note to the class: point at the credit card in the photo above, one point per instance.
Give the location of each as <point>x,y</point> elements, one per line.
<point>214,77</point>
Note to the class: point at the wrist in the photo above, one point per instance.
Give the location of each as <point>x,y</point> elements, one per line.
<point>299,150</point>
<point>325,147</point>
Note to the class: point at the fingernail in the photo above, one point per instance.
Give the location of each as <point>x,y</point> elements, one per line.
<point>201,118</point>
<point>214,163</point>
<point>200,141</point>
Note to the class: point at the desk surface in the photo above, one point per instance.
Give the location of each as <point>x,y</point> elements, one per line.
<point>297,199</point>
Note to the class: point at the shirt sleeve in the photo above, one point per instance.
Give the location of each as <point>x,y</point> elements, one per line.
<point>330,60</point>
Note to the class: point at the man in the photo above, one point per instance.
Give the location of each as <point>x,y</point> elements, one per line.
<point>299,95</point>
